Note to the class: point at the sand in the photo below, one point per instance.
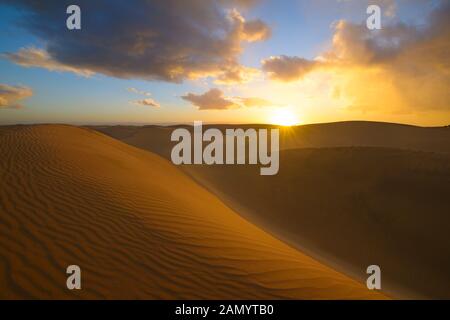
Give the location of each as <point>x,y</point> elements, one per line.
<point>336,134</point>
<point>137,226</point>
<point>353,207</point>
<point>349,194</point>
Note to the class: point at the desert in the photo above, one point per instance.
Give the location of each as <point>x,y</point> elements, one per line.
<point>137,226</point>
<point>349,194</point>
<point>194,152</point>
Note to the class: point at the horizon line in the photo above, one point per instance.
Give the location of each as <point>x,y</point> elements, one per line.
<point>188,123</point>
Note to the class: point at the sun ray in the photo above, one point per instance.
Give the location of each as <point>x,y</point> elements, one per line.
<point>284,117</point>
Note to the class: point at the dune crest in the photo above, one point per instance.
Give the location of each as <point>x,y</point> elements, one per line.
<point>320,135</point>
<point>349,193</point>
<point>136,225</point>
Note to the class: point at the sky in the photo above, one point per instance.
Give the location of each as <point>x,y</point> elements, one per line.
<point>224,61</point>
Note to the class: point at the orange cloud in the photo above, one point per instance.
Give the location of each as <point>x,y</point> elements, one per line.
<point>10,95</point>
<point>399,69</point>
<point>285,68</point>
<point>147,102</point>
<point>214,99</point>
<point>34,57</point>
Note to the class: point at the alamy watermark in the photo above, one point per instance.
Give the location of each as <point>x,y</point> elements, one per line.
<point>74,279</point>
<point>373,22</point>
<point>374,280</point>
<point>238,143</point>
<point>73,21</point>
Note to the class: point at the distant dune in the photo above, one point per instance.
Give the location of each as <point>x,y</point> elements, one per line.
<point>137,226</point>
<point>337,134</point>
<point>368,193</point>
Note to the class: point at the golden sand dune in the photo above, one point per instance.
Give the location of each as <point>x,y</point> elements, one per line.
<point>353,207</point>
<point>349,207</point>
<point>136,225</point>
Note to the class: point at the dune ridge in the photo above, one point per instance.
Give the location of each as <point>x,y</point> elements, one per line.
<point>137,226</point>
<point>348,193</point>
<point>321,135</point>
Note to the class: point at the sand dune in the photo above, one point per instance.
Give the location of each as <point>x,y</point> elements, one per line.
<point>347,206</point>
<point>337,134</point>
<point>353,207</point>
<point>136,225</point>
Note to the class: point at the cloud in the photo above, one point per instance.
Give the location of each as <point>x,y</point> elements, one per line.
<point>237,74</point>
<point>285,68</point>
<point>253,102</point>
<point>251,31</point>
<point>388,7</point>
<point>10,95</point>
<point>214,99</point>
<point>34,57</point>
<point>134,90</point>
<point>407,66</point>
<point>256,30</point>
<point>245,4</point>
<point>147,102</point>
<point>167,40</point>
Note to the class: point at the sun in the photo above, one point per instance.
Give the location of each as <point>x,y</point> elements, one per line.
<point>284,117</point>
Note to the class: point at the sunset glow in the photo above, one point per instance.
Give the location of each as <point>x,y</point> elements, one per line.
<point>284,117</point>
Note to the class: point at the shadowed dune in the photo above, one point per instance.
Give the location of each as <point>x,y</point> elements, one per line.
<point>353,207</point>
<point>136,225</point>
<point>349,206</point>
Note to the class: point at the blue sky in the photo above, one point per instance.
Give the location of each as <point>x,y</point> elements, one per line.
<point>298,28</point>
